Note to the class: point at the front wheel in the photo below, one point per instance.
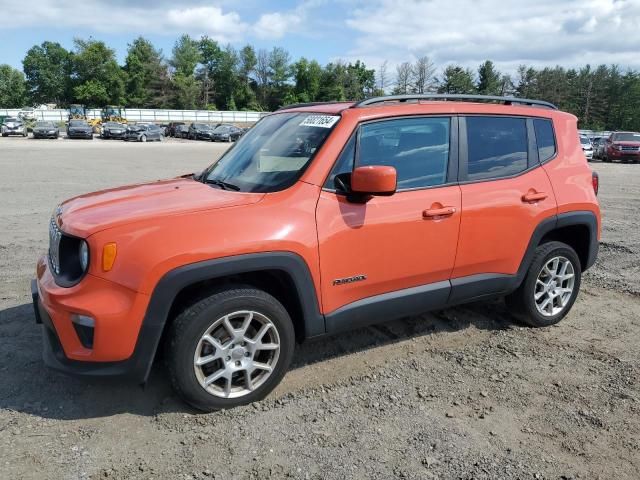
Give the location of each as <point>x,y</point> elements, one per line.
<point>549,288</point>
<point>229,349</point>
<point>143,138</point>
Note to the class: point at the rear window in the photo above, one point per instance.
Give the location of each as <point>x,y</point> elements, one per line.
<point>545,139</point>
<point>497,147</point>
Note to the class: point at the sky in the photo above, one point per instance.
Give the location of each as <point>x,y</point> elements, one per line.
<point>466,32</point>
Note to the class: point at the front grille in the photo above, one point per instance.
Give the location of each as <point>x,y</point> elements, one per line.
<point>55,235</point>
<point>629,148</point>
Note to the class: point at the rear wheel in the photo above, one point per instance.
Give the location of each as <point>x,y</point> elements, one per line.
<point>229,349</point>
<point>550,286</point>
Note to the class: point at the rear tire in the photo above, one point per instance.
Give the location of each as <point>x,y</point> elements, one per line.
<point>549,288</point>
<point>211,349</point>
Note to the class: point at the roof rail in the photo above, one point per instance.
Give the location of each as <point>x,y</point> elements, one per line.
<point>308,104</point>
<point>454,97</point>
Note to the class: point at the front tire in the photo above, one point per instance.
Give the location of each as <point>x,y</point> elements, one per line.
<point>229,349</point>
<point>549,288</point>
<point>143,138</point>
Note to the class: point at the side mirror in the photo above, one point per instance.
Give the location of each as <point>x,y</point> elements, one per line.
<point>374,180</point>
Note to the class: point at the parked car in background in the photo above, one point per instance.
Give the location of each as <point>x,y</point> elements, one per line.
<point>46,130</point>
<point>170,130</point>
<point>113,130</point>
<point>226,133</point>
<point>622,146</point>
<point>598,144</point>
<point>143,133</point>
<point>587,148</point>
<point>13,126</point>
<point>79,129</point>
<point>181,131</point>
<point>200,131</point>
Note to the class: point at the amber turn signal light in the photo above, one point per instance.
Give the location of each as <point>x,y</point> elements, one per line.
<point>108,256</point>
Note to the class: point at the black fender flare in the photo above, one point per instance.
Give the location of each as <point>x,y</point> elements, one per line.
<point>583,218</point>
<point>176,280</point>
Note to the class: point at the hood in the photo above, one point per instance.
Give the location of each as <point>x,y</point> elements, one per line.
<point>627,143</point>
<point>13,124</point>
<point>93,212</point>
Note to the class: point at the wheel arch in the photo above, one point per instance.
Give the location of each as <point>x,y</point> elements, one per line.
<point>284,275</point>
<point>577,229</point>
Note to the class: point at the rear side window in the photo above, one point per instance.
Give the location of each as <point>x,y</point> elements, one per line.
<point>418,148</point>
<point>545,139</point>
<point>497,147</point>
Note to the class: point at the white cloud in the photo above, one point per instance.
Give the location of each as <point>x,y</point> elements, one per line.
<point>119,16</point>
<point>276,25</point>
<point>544,32</point>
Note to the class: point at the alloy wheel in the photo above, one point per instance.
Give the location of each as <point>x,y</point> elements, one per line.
<point>554,286</point>
<point>236,354</point>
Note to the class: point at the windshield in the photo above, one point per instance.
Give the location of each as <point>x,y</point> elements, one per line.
<point>222,129</point>
<point>273,154</point>
<point>626,137</point>
<point>112,124</point>
<point>11,119</point>
<point>44,124</point>
<point>585,141</point>
<point>78,123</point>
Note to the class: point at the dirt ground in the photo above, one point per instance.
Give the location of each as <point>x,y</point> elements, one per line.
<point>461,393</point>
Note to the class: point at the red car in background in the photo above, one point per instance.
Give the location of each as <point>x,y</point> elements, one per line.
<point>622,146</point>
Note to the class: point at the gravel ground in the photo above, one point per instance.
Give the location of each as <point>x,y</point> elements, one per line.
<point>461,393</point>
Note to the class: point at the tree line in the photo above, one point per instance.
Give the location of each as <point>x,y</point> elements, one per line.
<point>203,74</point>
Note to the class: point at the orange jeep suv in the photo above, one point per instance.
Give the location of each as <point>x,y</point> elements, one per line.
<point>322,218</point>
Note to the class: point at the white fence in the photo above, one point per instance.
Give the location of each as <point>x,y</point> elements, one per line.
<point>152,115</point>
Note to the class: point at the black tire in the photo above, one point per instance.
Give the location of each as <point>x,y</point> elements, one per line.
<point>522,304</point>
<point>188,328</point>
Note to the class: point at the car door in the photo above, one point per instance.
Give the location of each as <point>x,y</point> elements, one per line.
<point>402,246</point>
<point>505,195</point>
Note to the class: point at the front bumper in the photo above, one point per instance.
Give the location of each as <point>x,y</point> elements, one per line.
<point>113,135</point>
<point>80,134</point>
<point>624,155</point>
<point>118,336</point>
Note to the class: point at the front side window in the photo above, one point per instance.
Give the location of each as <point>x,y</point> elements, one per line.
<point>418,148</point>
<point>545,139</point>
<point>273,154</point>
<point>497,147</point>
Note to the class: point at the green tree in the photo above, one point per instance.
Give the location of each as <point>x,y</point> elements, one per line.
<point>47,68</point>
<point>12,87</point>
<point>525,85</point>
<point>457,80</point>
<point>186,56</point>
<point>97,77</point>
<point>226,78</point>
<point>489,79</point>
<point>210,58</point>
<point>360,81</point>
<point>185,92</point>
<point>308,77</point>
<point>146,75</point>
<point>279,75</point>
<point>186,89</point>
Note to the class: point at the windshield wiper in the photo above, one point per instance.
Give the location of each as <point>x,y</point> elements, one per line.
<point>222,185</point>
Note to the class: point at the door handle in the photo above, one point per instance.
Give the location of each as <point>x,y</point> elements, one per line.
<point>532,196</point>
<point>438,212</point>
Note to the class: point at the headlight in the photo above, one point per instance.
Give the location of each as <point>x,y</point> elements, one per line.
<point>84,255</point>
